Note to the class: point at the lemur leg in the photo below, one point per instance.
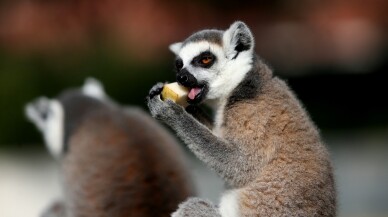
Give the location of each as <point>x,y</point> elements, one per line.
<point>196,207</point>
<point>216,152</point>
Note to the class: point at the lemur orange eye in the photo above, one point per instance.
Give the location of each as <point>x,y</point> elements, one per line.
<point>206,60</point>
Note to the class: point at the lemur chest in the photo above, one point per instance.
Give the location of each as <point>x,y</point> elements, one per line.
<point>219,121</point>
<point>236,123</point>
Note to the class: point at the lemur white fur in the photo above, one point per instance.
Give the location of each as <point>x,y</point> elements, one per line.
<point>229,204</point>
<point>219,117</point>
<point>94,88</point>
<point>252,141</point>
<point>51,126</point>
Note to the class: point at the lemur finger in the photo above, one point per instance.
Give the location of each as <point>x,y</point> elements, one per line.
<point>155,106</point>
<point>156,89</point>
<point>171,104</point>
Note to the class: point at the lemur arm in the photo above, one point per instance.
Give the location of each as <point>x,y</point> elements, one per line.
<point>217,153</point>
<point>200,115</point>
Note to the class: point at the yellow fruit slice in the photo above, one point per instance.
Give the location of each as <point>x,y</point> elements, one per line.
<point>176,93</point>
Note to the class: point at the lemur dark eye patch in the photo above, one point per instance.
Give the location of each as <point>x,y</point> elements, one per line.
<point>178,64</point>
<point>205,60</point>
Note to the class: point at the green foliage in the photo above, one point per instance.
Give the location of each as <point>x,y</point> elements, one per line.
<point>25,77</point>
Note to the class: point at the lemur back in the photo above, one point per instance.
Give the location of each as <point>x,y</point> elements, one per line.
<point>292,174</point>
<point>115,161</point>
<point>261,140</point>
<point>133,168</point>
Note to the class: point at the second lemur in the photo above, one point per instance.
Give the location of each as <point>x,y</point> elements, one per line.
<point>115,161</point>
<point>261,140</point>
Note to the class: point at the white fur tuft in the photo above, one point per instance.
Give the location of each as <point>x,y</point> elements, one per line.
<point>229,204</point>
<point>94,88</point>
<point>54,131</point>
<point>33,114</point>
<point>50,126</point>
<point>228,42</point>
<point>232,74</point>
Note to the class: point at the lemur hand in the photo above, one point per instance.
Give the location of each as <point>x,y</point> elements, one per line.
<point>162,110</point>
<point>156,90</point>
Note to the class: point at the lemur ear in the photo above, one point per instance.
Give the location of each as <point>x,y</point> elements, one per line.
<point>176,47</point>
<point>94,88</point>
<point>238,38</point>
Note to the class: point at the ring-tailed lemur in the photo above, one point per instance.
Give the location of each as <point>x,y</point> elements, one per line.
<point>262,143</point>
<point>114,161</point>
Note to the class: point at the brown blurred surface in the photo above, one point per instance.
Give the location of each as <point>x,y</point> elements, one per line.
<point>292,35</point>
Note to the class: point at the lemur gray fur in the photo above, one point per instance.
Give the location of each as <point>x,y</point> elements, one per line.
<point>115,161</point>
<point>262,141</point>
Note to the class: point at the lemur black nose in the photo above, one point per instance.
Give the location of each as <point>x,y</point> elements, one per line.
<point>182,78</point>
<point>185,78</point>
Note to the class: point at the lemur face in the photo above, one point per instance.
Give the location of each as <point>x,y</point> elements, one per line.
<point>49,115</point>
<point>211,63</point>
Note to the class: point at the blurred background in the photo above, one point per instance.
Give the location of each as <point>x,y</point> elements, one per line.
<point>332,53</point>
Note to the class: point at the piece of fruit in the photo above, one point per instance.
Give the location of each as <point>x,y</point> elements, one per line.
<point>176,93</point>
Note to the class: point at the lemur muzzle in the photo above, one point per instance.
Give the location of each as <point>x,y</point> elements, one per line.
<point>186,79</point>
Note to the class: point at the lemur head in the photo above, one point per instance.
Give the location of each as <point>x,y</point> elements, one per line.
<point>211,63</point>
<point>57,118</point>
